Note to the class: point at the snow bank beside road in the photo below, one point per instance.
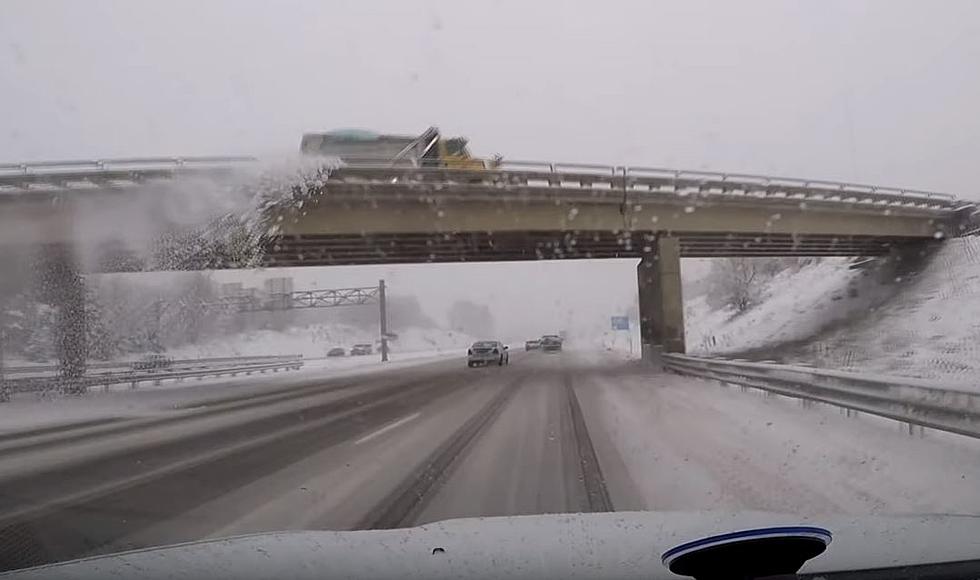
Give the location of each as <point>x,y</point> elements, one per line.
<point>28,411</point>
<point>314,341</point>
<point>796,305</point>
<point>926,326</point>
<point>690,444</point>
<point>929,329</point>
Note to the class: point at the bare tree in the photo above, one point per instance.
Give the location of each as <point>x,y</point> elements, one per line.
<point>738,283</point>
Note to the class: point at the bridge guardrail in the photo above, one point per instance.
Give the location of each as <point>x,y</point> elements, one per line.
<point>516,172</point>
<point>131,163</point>
<point>639,180</point>
<point>638,173</point>
<point>907,400</point>
<point>246,365</point>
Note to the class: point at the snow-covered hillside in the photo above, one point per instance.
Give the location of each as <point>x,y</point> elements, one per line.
<point>926,325</point>
<point>795,305</point>
<point>315,340</point>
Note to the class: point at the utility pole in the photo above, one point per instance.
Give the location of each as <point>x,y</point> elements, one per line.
<point>384,320</point>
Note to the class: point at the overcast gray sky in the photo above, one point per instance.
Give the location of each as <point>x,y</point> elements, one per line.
<point>879,91</point>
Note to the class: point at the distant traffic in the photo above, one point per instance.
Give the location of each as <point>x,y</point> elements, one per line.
<point>488,352</point>
<point>547,343</point>
<point>480,353</point>
<point>360,349</point>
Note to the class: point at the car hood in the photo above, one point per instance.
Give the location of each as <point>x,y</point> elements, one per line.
<point>612,545</point>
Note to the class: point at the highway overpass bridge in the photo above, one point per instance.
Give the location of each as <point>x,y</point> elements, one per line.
<point>372,211</point>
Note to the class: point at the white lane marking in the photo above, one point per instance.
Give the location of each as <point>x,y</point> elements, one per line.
<point>387,428</point>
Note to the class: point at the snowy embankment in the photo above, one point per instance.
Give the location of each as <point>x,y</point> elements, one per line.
<point>926,325</point>
<point>413,346</point>
<point>315,340</point>
<point>28,411</point>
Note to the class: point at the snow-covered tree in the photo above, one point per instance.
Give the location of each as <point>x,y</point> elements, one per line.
<point>736,283</point>
<point>740,283</point>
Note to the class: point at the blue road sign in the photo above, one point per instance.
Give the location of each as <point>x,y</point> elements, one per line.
<point>620,322</point>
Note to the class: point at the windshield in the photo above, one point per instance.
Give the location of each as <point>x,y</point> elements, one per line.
<point>259,263</point>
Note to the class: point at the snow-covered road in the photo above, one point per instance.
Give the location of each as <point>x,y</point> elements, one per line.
<point>430,441</point>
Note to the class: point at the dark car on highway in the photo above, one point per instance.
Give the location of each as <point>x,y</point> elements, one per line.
<point>551,343</point>
<point>337,351</point>
<point>533,344</point>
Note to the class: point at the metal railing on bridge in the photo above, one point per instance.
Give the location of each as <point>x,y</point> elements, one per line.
<point>109,173</point>
<point>497,173</point>
<point>129,163</point>
<point>650,180</point>
<point>910,401</point>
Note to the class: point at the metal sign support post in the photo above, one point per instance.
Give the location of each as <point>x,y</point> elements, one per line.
<point>384,320</point>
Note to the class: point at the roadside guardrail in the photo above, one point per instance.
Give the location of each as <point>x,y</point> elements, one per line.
<point>189,368</point>
<point>94,368</point>
<point>911,401</point>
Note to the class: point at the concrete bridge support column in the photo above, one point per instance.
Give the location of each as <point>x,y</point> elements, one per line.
<point>661,302</point>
